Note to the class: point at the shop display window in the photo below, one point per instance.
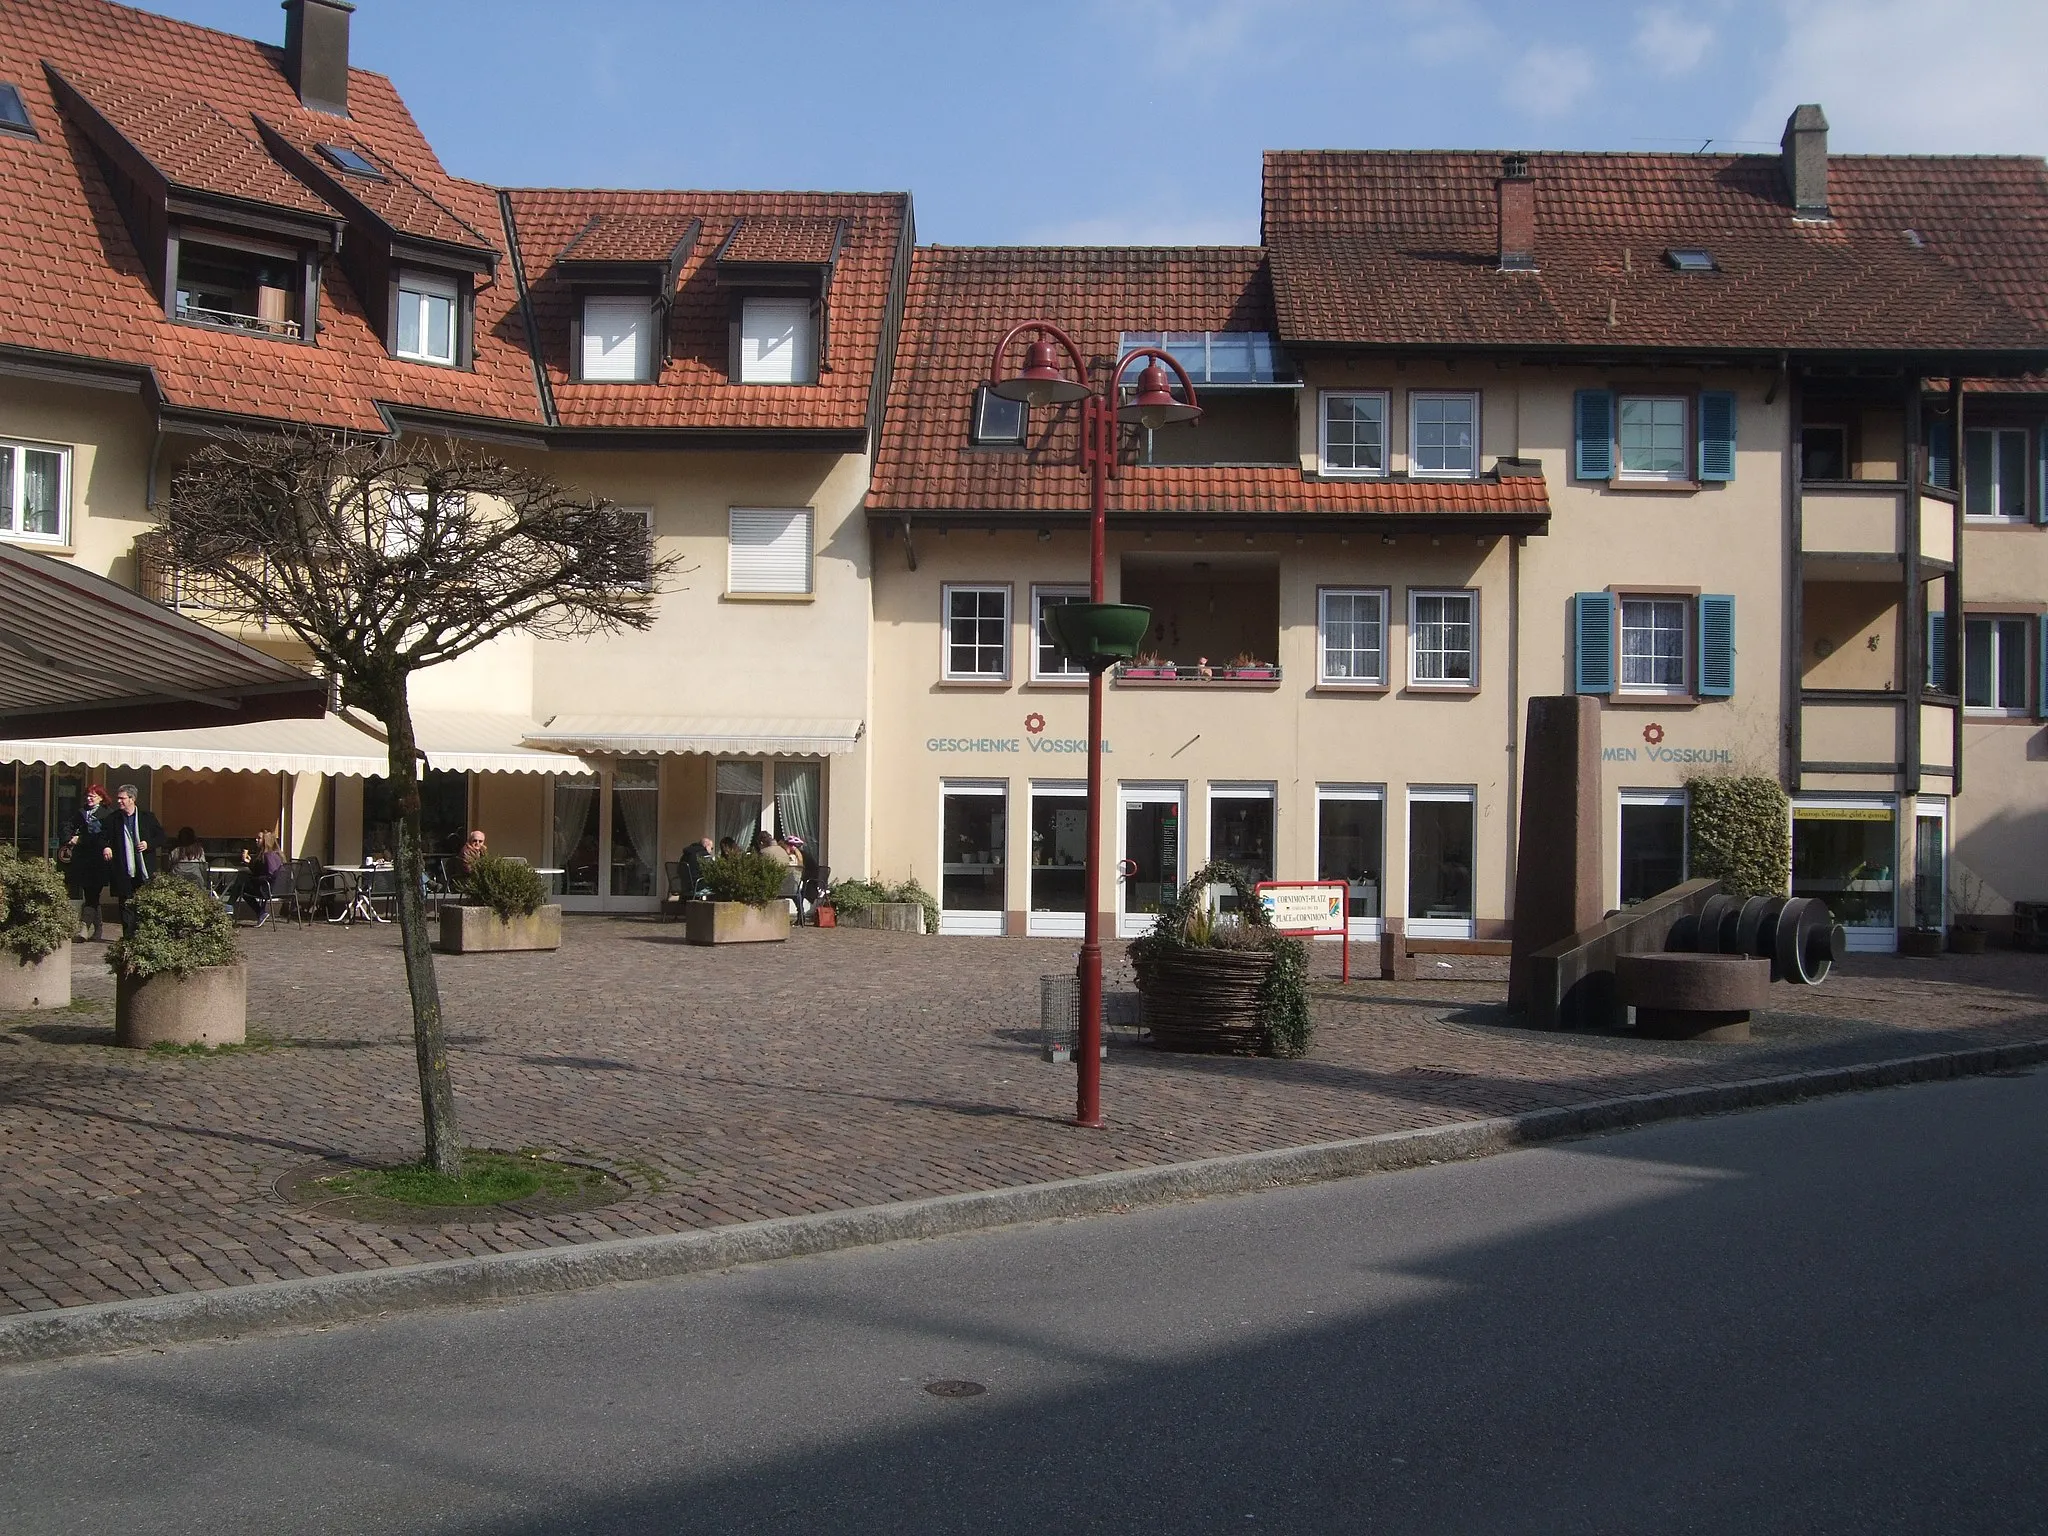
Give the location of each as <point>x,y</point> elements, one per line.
<point>1844,854</point>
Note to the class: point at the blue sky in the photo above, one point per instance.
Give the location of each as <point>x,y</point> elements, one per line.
<point>1141,121</point>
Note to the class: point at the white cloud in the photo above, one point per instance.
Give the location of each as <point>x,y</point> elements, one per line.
<point>1547,81</point>
<point>1913,76</point>
<point>1187,36</point>
<point>1446,33</point>
<point>1669,43</point>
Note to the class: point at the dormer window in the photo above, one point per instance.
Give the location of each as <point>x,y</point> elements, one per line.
<point>618,339</point>
<point>238,286</point>
<point>14,116</point>
<point>428,311</point>
<point>778,341</point>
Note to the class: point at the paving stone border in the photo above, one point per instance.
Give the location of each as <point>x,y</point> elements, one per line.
<point>192,1317</point>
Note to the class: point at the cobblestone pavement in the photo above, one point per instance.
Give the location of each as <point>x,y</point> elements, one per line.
<point>843,1068</point>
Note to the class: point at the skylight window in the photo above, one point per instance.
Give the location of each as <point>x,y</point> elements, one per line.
<point>14,111</point>
<point>1690,258</point>
<point>352,161</point>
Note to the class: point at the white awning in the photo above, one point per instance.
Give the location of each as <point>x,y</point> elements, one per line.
<point>469,741</point>
<point>657,734</point>
<point>326,745</point>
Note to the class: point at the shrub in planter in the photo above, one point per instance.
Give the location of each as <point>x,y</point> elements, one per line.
<point>1740,828</point>
<point>1222,983</point>
<point>36,927</point>
<point>879,904</point>
<point>504,906</point>
<point>180,980</point>
<point>744,905</point>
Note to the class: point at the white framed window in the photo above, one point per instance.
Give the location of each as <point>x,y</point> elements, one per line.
<point>1047,664</point>
<point>1351,845</point>
<point>1654,435</point>
<point>974,836</point>
<point>618,340</point>
<point>1655,647</point>
<point>977,634</point>
<point>769,550</point>
<point>1443,639</point>
<point>999,423</point>
<point>1443,434</point>
<point>1995,666</point>
<point>1351,636</point>
<point>645,517</point>
<point>1353,437</point>
<point>778,342</point>
<point>35,492</point>
<point>1995,469</point>
<point>1442,851</point>
<point>427,311</point>
<point>1241,833</point>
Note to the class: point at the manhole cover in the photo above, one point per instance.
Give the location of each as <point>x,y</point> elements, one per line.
<point>955,1388</point>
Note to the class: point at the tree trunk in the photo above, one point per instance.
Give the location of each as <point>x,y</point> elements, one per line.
<point>430,1044</point>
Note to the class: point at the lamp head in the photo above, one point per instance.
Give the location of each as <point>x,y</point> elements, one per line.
<point>1041,382</point>
<point>1154,404</point>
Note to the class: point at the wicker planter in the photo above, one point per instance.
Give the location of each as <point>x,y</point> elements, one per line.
<point>896,916</point>
<point>44,983</point>
<point>479,930</point>
<point>735,922</point>
<point>1206,1000</point>
<point>1968,941</point>
<point>208,1007</point>
<point>1924,943</point>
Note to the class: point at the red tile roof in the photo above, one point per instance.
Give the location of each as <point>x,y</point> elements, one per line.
<point>648,237</point>
<point>695,389</point>
<point>962,300</point>
<point>194,145</point>
<point>195,102</point>
<point>1400,249</point>
<point>761,241</point>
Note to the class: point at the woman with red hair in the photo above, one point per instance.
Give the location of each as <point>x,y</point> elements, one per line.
<point>83,852</point>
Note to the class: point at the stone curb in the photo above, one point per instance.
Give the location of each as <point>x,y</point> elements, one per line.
<point>192,1316</point>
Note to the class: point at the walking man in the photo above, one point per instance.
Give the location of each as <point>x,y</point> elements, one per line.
<point>129,850</point>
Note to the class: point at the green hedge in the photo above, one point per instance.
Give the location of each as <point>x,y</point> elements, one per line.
<point>507,886</point>
<point>1741,833</point>
<point>754,878</point>
<point>851,896</point>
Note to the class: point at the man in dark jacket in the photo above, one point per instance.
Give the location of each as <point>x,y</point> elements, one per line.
<point>691,875</point>
<point>131,838</point>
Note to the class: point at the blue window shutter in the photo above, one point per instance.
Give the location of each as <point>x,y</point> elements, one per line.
<point>1717,647</point>
<point>1593,434</point>
<point>1593,643</point>
<point>2040,475</point>
<point>1941,454</point>
<point>1937,651</point>
<point>1717,434</point>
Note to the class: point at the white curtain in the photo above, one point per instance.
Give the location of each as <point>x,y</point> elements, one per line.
<point>640,810</point>
<point>575,801</point>
<point>739,802</point>
<point>796,803</point>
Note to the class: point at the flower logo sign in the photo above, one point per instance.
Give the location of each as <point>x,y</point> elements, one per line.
<point>1034,723</point>
<point>1653,733</point>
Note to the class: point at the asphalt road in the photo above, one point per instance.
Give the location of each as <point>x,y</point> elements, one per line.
<point>1832,1317</point>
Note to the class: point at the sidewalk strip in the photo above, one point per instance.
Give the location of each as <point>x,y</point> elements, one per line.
<point>193,1316</point>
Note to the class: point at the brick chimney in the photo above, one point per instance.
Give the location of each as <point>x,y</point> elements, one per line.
<point>316,52</point>
<point>1517,195</point>
<point>1804,154</point>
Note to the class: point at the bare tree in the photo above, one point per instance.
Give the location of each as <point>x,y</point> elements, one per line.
<point>388,556</point>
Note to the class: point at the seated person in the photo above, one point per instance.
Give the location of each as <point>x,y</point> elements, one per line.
<point>259,875</point>
<point>473,848</point>
<point>188,856</point>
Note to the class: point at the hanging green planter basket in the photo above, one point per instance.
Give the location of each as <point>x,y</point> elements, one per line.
<point>1097,635</point>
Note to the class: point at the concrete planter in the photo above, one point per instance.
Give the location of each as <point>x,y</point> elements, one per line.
<point>44,983</point>
<point>895,916</point>
<point>479,930</point>
<point>735,922</point>
<point>1924,943</point>
<point>208,1007</point>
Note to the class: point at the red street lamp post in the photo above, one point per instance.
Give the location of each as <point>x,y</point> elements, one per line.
<point>1045,382</point>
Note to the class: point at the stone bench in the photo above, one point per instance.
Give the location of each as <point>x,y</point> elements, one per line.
<point>1687,996</point>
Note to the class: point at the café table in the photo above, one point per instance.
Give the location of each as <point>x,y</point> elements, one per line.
<point>550,875</point>
<point>356,892</point>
